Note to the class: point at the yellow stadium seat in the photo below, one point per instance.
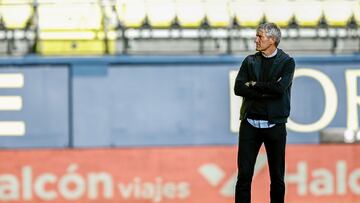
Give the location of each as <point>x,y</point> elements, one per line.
<point>279,12</point>
<point>356,12</point>
<point>337,13</point>
<point>248,13</point>
<point>190,13</point>
<point>217,13</point>
<point>131,13</point>
<point>74,47</point>
<point>160,13</point>
<point>16,13</point>
<point>72,27</point>
<point>307,12</point>
<point>69,16</point>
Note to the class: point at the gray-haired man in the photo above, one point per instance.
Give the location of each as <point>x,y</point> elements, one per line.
<point>264,81</point>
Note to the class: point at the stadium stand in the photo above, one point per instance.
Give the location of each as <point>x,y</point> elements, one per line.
<point>307,13</point>
<point>279,12</point>
<point>79,27</point>
<point>218,14</point>
<point>248,13</point>
<point>337,13</point>
<point>15,14</point>
<point>160,13</point>
<point>190,15</point>
<point>356,12</point>
<point>71,27</point>
<point>131,13</point>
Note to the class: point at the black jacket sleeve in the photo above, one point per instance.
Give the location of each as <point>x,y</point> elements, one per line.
<point>283,82</point>
<point>240,89</point>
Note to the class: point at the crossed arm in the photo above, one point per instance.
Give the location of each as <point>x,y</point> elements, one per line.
<point>263,90</point>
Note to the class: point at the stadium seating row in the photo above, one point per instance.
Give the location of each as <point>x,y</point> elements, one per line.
<point>90,14</point>
<point>80,26</point>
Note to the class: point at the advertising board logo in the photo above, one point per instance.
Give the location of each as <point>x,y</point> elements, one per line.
<point>216,176</point>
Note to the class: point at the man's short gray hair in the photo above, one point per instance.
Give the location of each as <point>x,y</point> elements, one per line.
<point>271,30</point>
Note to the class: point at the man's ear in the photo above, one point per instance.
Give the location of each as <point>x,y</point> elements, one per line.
<point>272,40</point>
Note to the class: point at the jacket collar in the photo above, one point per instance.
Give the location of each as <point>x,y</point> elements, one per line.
<point>280,56</point>
<point>271,55</point>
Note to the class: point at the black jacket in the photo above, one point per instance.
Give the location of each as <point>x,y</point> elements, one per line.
<point>275,92</point>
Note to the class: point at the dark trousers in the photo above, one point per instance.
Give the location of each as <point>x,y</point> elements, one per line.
<point>250,141</point>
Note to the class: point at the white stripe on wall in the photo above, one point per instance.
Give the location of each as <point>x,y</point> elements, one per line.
<point>11,80</point>
<point>10,103</point>
<point>12,128</point>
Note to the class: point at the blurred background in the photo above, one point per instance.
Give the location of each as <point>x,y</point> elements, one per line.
<point>132,100</point>
<point>96,27</point>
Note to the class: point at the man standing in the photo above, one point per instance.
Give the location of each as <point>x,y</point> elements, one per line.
<point>264,81</point>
